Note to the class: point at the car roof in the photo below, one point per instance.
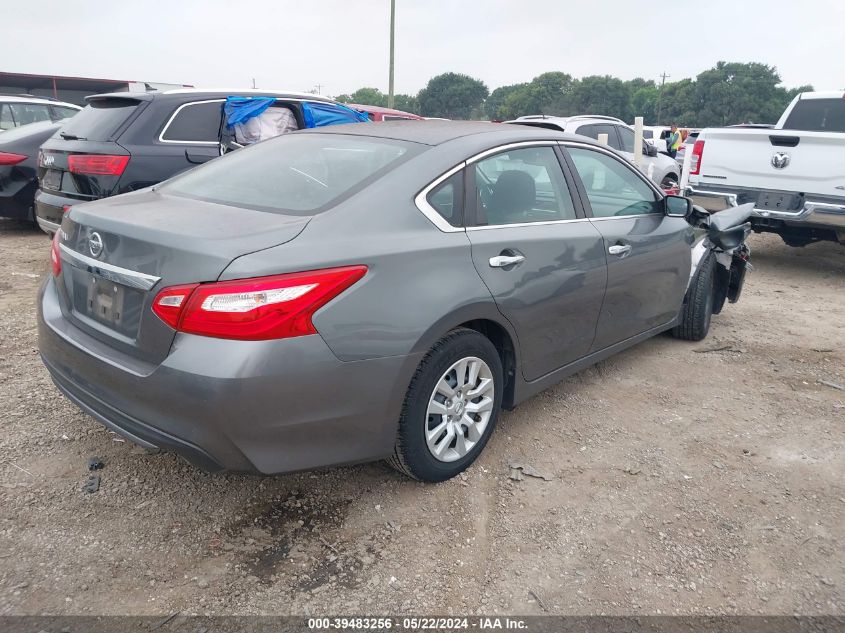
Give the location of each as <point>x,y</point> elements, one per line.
<point>35,99</point>
<point>439,132</point>
<point>211,93</point>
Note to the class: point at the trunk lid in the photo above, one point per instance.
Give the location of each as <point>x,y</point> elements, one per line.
<point>118,253</point>
<point>745,158</point>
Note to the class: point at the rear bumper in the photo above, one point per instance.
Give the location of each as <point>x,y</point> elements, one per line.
<point>266,406</point>
<point>49,210</point>
<point>813,214</point>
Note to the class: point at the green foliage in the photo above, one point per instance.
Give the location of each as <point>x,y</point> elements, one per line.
<point>452,96</point>
<point>728,93</point>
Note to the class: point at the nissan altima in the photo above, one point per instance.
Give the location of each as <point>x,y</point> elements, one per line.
<point>359,293</point>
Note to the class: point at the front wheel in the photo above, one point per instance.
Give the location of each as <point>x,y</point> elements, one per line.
<point>451,407</point>
<point>698,303</point>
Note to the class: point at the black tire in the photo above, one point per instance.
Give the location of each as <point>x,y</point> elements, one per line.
<point>411,455</point>
<point>698,303</point>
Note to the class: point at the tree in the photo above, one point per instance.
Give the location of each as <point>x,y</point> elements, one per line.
<point>407,103</point>
<point>494,104</point>
<point>369,96</point>
<point>452,95</point>
<point>604,95</point>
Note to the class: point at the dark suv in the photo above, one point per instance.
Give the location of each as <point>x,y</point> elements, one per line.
<point>126,141</point>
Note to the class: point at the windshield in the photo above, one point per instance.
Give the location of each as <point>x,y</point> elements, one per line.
<point>298,174</point>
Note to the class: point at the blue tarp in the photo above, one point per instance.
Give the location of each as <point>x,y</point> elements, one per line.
<point>318,114</point>
<point>241,109</point>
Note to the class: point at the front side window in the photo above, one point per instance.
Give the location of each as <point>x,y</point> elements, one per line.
<point>522,185</point>
<point>626,138</point>
<point>196,122</point>
<point>613,188</point>
<point>447,199</point>
<point>293,174</point>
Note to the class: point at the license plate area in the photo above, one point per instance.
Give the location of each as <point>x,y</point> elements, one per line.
<point>775,201</point>
<point>52,180</point>
<point>104,300</point>
<point>104,304</point>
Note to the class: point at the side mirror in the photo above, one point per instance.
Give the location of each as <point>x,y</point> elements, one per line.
<point>650,150</point>
<point>677,206</point>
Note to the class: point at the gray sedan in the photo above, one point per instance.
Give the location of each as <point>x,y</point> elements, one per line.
<point>363,292</point>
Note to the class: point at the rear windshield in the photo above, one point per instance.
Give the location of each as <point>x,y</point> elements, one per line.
<point>100,119</point>
<point>297,174</point>
<point>817,115</point>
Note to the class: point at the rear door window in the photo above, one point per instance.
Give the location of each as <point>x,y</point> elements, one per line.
<point>195,123</point>
<point>101,119</point>
<point>817,115</point>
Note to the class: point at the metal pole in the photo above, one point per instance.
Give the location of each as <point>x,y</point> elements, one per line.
<point>390,99</point>
<point>660,96</point>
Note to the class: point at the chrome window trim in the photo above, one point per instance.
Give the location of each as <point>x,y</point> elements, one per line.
<point>421,200</point>
<point>111,272</point>
<point>488,227</point>
<point>504,148</point>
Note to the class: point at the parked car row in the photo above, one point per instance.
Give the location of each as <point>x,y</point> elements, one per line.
<point>17,111</point>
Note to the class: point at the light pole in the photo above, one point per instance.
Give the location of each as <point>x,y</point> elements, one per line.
<point>390,100</point>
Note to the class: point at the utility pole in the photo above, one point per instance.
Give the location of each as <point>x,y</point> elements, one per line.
<point>319,88</point>
<point>660,96</point>
<point>253,82</point>
<point>390,99</point>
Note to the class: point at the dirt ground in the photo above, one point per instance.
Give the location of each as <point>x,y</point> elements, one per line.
<point>690,478</point>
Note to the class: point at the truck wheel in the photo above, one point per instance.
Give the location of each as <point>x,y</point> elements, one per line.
<point>698,303</point>
<point>451,407</point>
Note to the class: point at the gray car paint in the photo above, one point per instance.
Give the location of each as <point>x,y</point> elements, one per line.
<point>335,397</point>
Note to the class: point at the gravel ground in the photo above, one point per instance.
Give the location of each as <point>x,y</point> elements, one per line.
<point>689,478</point>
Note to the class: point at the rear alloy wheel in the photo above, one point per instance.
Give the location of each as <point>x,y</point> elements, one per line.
<point>451,408</point>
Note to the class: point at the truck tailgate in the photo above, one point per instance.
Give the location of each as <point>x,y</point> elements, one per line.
<point>780,160</point>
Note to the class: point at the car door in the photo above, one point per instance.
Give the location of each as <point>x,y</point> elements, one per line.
<point>541,259</point>
<point>194,128</point>
<point>648,253</point>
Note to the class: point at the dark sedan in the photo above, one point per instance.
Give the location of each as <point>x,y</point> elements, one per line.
<point>19,165</point>
<point>364,292</point>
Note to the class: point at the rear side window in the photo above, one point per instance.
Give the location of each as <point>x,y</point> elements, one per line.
<point>100,119</point>
<point>594,130</point>
<point>6,120</point>
<point>63,112</point>
<point>447,199</point>
<point>817,115</point>
<point>195,123</point>
<point>293,174</point>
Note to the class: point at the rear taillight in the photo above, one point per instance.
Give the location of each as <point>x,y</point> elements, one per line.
<point>695,159</point>
<point>257,309</point>
<point>97,164</point>
<point>7,158</point>
<point>55,258</point>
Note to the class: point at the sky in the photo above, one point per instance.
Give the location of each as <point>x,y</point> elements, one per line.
<point>342,45</point>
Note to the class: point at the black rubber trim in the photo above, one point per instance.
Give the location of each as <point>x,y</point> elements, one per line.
<point>130,428</point>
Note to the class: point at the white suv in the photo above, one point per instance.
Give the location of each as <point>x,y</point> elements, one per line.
<point>662,169</point>
<point>16,111</point>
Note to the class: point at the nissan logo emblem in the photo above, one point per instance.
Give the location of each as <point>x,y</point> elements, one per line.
<point>95,244</point>
<point>780,160</point>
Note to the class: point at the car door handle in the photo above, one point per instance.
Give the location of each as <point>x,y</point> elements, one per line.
<point>619,249</point>
<point>500,261</point>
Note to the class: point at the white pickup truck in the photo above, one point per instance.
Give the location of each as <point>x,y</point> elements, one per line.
<point>794,173</point>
